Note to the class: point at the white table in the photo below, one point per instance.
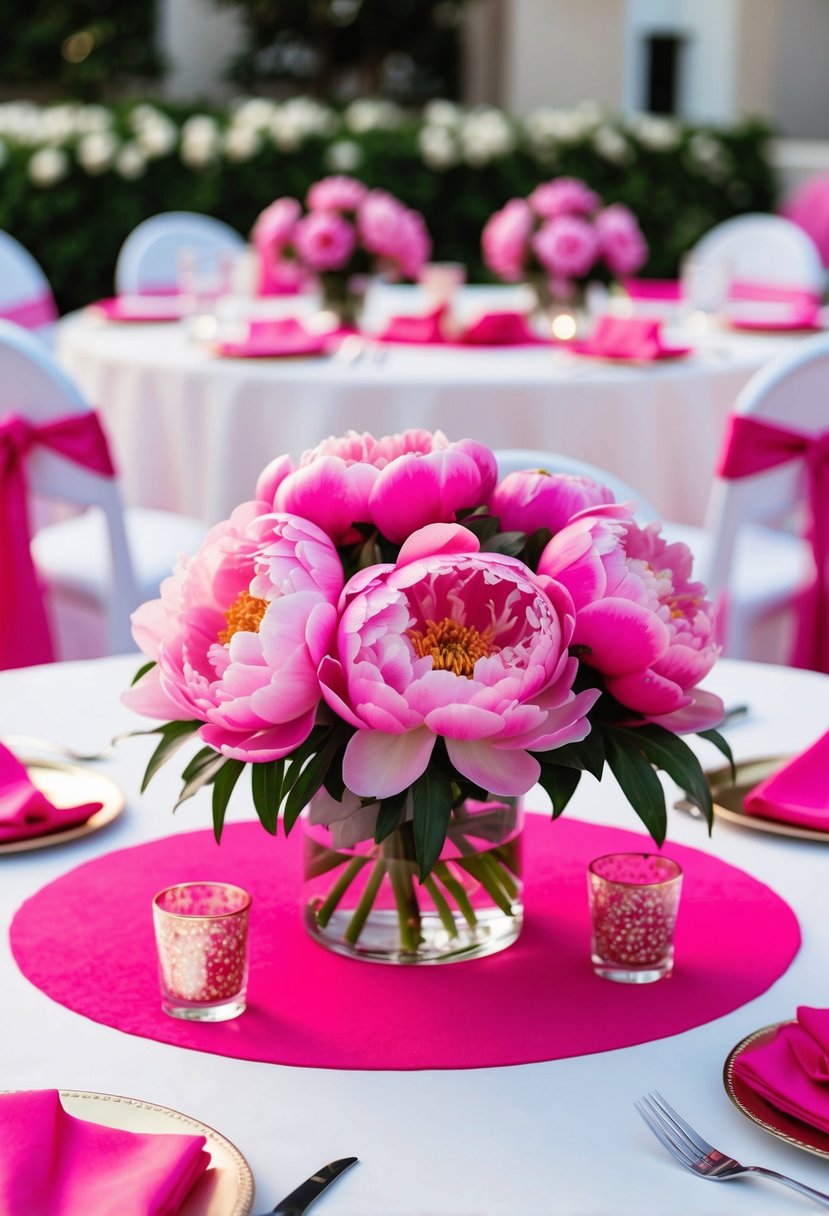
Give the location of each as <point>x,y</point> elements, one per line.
<point>191,431</point>
<point>560,1138</point>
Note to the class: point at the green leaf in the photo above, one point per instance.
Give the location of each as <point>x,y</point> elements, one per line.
<point>306,781</point>
<point>173,735</point>
<point>535,545</point>
<point>721,743</point>
<point>639,784</point>
<point>266,785</point>
<point>510,543</point>
<point>142,671</point>
<point>388,817</point>
<point>588,754</point>
<point>560,783</point>
<point>482,526</point>
<point>201,759</point>
<point>205,775</point>
<point>432,807</point>
<point>223,784</point>
<point>671,753</point>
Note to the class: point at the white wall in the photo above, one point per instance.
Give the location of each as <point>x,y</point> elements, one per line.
<point>802,75</point>
<point>197,39</point>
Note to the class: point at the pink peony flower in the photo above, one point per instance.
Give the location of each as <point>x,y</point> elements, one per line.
<point>505,239</point>
<point>414,244</point>
<point>238,633</point>
<point>398,482</point>
<point>274,227</point>
<point>324,240</point>
<point>336,193</point>
<point>451,643</point>
<point>378,222</point>
<point>648,627</point>
<point>566,246</point>
<point>621,242</point>
<point>526,500</point>
<point>563,196</point>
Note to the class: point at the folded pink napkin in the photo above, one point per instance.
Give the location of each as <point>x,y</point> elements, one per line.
<point>274,337</point>
<point>419,329</point>
<point>798,792</point>
<point>501,329</point>
<point>165,307</point>
<point>792,1070</point>
<point>25,811</point>
<point>653,289</point>
<point>636,338</point>
<point>52,1164</point>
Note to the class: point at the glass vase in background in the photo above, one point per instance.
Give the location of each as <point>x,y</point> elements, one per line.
<point>366,900</point>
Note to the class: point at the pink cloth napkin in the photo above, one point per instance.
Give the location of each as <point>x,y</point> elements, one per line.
<point>653,289</point>
<point>418,329</point>
<point>278,336</point>
<point>52,1164</point>
<point>792,1070</point>
<point>136,308</point>
<point>25,811</point>
<point>500,329</point>
<point>635,338</point>
<point>798,792</point>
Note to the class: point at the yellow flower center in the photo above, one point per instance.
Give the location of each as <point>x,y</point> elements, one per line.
<point>452,646</point>
<point>244,614</point>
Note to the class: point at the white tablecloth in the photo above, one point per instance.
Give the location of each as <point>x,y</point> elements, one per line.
<point>191,431</point>
<point>558,1138</point>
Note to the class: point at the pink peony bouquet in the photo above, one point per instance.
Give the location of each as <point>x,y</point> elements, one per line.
<point>560,236</point>
<point>389,630</point>
<point>345,231</point>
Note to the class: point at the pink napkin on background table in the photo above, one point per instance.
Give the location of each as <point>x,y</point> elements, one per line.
<point>53,1164</point>
<point>25,811</point>
<point>279,336</point>
<point>166,307</point>
<point>798,792</point>
<point>501,329</point>
<point>633,338</point>
<point>791,1071</point>
<point>418,329</point>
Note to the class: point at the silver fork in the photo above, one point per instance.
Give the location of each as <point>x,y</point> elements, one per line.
<point>30,742</point>
<point>697,1155</point>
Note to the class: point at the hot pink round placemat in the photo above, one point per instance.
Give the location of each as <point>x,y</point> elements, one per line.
<point>86,940</point>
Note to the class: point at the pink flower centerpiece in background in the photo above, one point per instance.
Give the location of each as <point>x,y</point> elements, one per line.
<point>559,237</point>
<point>345,233</point>
<point>392,636</point>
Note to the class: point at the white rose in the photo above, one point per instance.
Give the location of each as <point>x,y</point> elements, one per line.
<point>486,134</point>
<point>255,112</point>
<point>344,156</point>
<point>611,145</point>
<point>58,123</point>
<point>200,141</point>
<point>368,114</point>
<point>656,132</point>
<point>48,165</point>
<point>706,153</point>
<point>438,147</point>
<point>157,136</point>
<point>91,120</point>
<point>96,151</point>
<point>441,113</point>
<point>130,162</point>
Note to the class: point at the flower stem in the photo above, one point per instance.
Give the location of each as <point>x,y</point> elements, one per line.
<point>355,926</point>
<point>326,909</point>
<point>488,880</point>
<point>458,892</point>
<point>442,906</point>
<point>405,898</point>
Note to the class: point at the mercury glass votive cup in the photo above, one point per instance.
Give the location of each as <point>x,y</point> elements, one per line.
<point>633,905</point>
<point>201,932</point>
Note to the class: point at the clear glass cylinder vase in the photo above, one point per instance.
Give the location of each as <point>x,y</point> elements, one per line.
<point>366,901</point>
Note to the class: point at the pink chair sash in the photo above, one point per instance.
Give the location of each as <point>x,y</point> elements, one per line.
<point>32,313</point>
<point>752,446</point>
<point>24,628</point>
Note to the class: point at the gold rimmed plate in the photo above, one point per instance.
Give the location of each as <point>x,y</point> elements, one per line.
<point>69,785</point>
<point>728,798</point>
<point>769,1118</point>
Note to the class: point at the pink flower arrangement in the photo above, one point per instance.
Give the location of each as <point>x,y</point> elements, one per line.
<point>346,230</point>
<point>388,619</point>
<point>562,234</point>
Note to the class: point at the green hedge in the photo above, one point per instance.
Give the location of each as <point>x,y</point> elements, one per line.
<point>74,180</point>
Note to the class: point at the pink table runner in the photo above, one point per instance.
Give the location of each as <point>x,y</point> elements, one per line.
<point>86,940</point>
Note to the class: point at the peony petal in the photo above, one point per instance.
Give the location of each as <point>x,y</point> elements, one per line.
<point>335,690</point>
<point>705,711</point>
<point>376,765</point>
<point>622,636</point>
<point>464,721</point>
<point>647,692</point>
<point>495,769</point>
<point>434,539</point>
<point>262,746</point>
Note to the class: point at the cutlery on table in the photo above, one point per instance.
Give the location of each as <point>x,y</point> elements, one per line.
<point>697,1155</point>
<point>26,742</point>
<point>301,1199</point>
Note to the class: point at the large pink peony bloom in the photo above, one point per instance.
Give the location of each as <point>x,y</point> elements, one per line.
<point>399,482</point>
<point>378,222</point>
<point>566,246</point>
<point>533,498</point>
<point>274,227</point>
<point>648,627</point>
<point>238,633</point>
<point>456,644</point>
<point>505,239</point>
<point>413,244</point>
<point>324,240</point>
<point>337,193</point>
<point>563,196</point>
<point>622,244</point>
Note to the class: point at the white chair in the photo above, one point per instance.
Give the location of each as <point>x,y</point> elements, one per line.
<point>25,295</point>
<point>768,250</point>
<point>513,460</point>
<point>750,553</point>
<point>100,564</point>
<point>149,259</point>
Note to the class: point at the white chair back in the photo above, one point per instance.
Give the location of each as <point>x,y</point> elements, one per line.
<point>760,248</point>
<point>34,387</point>
<point>513,460</point>
<point>149,259</point>
<point>25,295</point>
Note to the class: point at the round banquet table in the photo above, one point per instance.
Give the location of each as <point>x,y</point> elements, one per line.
<point>559,1137</point>
<point>192,430</point>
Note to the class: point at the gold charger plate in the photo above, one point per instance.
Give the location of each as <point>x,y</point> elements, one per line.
<point>68,785</point>
<point>226,1187</point>
<point>775,1122</point>
<point>728,798</point>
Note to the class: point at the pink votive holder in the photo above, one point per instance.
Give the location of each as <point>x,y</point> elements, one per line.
<point>201,933</point>
<point>634,899</point>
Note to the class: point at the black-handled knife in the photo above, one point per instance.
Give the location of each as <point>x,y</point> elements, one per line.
<point>301,1199</point>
